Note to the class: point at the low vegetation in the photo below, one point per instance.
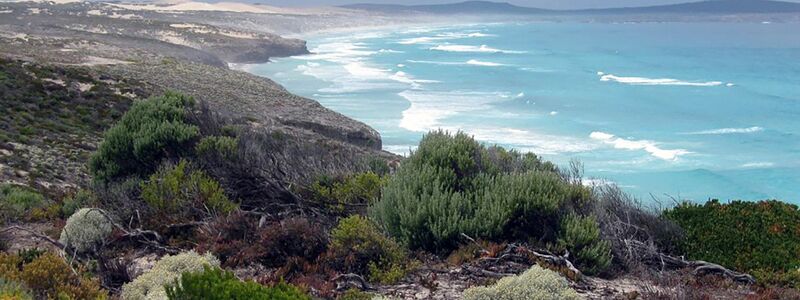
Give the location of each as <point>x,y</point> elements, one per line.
<point>358,246</point>
<point>452,185</point>
<point>762,238</point>
<point>149,132</point>
<point>534,284</point>
<point>47,276</point>
<point>217,284</point>
<point>151,285</point>
<point>86,230</point>
<point>16,202</point>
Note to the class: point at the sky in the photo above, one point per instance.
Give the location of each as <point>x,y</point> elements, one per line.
<point>552,4</point>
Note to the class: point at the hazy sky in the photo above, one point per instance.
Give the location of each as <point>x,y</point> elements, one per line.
<point>556,4</point>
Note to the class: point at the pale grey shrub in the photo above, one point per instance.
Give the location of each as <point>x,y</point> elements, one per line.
<point>535,284</point>
<point>86,229</point>
<point>150,285</point>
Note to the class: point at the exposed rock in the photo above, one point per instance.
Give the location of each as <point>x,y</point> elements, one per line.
<point>141,264</point>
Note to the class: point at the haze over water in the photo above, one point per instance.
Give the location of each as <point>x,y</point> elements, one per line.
<point>690,110</point>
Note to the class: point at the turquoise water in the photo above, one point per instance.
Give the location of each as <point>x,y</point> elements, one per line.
<point>670,110</point>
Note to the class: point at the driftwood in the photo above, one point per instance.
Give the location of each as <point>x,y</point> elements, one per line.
<point>350,280</point>
<point>528,256</point>
<point>699,267</point>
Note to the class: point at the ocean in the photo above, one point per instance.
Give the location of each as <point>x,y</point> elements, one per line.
<point>683,111</point>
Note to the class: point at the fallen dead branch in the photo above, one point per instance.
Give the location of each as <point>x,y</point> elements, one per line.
<point>699,267</point>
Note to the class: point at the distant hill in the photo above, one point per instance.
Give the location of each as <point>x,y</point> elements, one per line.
<point>468,7</point>
<point>488,7</point>
<point>708,7</point>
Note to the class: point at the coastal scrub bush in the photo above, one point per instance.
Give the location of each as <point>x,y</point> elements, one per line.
<point>12,290</point>
<point>177,190</point>
<point>223,146</point>
<point>150,131</point>
<point>757,237</point>
<point>582,235</point>
<point>534,284</point>
<point>217,284</point>
<point>291,238</point>
<point>355,190</point>
<point>16,201</point>
<point>358,246</point>
<point>48,276</point>
<point>150,285</point>
<point>452,185</point>
<point>86,229</point>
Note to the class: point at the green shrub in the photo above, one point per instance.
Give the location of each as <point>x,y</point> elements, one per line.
<point>150,131</point>
<point>11,290</point>
<point>178,190</point>
<point>30,254</point>
<point>17,201</point>
<point>357,246</point>
<point>73,203</point>
<point>535,284</point>
<point>223,146</point>
<point>216,284</point>
<point>359,189</point>
<point>86,229</point>
<point>582,235</point>
<point>452,185</point>
<point>758,237</point>
<point>150,285</point>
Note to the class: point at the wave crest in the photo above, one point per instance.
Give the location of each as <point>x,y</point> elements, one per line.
<point>654,81</point>
<point>470,48</point>
<point>648,146</point>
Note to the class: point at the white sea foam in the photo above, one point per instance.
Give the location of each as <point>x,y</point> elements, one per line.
<point>648,146</point>
<point>442,37</point>
<point>428,108</point>
<point>471,48</point>
<point>526,140</point>
<point>553,113</point>
<point>403,150</point>
<point>757,165</point>
<point>349,69</point>
<point>389,51</point>
<point>476,62</point>
<point>654,81</point>
<point>753,129</point>
<point>471,62</point>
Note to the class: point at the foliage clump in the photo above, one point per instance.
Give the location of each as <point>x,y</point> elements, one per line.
<point>179,190</point>
<point>358,246</point>
<point>72,203</point>
<point>150,131</point>
<point>86,229</point>
<point>348,191</point>
<point>582,235</point>
<point>49,276</point>
<point>453,185</point>
<point>762,238</point>
<point>534,284</point>
<point>12,290</point>
<point>223,146</point>
<point>217,284</point>
<point>17,201</point>
<point>150,285</point>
